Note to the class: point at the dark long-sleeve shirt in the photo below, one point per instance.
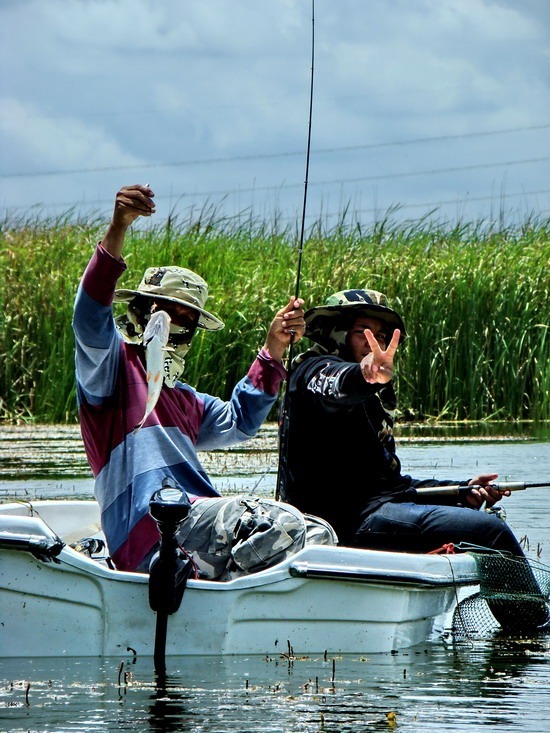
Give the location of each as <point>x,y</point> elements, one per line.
<point>340,459</point>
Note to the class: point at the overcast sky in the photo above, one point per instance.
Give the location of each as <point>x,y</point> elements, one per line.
<point>424,105</point>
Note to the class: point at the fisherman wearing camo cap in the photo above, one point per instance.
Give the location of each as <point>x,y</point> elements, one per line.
<point>340,459</point>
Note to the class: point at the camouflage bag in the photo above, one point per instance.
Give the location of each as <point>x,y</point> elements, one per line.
<point>234,536</point>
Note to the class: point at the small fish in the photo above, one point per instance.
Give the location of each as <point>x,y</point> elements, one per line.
<point>155,339</point>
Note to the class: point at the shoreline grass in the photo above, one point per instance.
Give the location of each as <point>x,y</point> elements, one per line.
<point>474,297</point>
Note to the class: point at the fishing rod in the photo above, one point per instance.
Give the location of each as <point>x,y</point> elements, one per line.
<point>306,179</point>
<point>283,428</point>
<point>462,490</point>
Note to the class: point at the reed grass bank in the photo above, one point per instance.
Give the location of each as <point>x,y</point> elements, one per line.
<point>475,299</point>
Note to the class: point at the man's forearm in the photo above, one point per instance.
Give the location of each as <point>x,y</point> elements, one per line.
<point>113,241</point>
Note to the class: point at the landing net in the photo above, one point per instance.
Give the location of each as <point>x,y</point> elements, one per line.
<point>513,597</point>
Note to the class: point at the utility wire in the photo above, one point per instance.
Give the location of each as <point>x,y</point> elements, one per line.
<point>272,156</point>
<point>435,204</point>
<point>339,181</point>
<point>380,177</point>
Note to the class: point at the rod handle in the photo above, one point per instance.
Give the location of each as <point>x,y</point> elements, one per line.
<point>458,490</point>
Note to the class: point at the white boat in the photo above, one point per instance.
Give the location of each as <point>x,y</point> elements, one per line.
<point>56,601</point>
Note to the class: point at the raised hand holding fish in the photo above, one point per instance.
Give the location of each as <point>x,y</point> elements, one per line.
<point>131,202</point>
<point>155,339</point>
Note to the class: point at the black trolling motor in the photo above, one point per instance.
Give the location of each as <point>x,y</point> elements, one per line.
<point>170,568</point>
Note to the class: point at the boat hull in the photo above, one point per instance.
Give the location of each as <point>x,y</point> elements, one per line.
<point>323,599</point>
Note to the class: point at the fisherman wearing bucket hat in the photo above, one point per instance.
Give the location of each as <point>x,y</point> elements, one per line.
<point>174,285</point>
<point>339,459</point>
<point>179,292</point>
<point>117,385</point>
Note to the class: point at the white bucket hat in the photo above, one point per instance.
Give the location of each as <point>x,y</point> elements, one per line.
<point>177,285</point>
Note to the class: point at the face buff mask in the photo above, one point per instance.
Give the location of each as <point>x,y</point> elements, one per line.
<point>179,341</point>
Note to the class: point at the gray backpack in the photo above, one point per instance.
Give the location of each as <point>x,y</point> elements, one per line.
<point>233,536</point>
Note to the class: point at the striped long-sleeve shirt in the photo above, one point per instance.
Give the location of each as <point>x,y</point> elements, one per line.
<point>112,389</point>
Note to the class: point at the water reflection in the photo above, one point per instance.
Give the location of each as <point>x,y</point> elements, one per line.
<point>494,685</point>
<point>172,708</point>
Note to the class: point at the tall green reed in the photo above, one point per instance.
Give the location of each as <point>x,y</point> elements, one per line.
<point>474,296</point>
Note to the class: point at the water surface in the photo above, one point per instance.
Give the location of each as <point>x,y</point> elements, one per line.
<point>488,684</point>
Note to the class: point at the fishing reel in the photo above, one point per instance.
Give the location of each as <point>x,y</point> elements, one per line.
<point>498,511</point>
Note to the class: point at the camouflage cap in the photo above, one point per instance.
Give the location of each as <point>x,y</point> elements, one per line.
<point>178,285</point>
<point>321,320</point>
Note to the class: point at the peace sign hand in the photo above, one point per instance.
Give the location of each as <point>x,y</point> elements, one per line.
<point>377,366</point>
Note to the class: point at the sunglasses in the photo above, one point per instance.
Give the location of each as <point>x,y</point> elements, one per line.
<point>183,335</point>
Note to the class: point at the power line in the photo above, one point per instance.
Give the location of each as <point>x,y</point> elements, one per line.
<point>448,202</point>
<point>362,179</point>
<point>271,156</point>
<point>427,204</point>
<point>434,171</point>
<point>337,181</point>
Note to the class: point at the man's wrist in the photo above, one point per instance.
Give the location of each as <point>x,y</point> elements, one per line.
<point>275,350</point>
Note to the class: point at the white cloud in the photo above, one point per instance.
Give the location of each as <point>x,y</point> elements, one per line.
<point>72,144</point>
<point>99,83</point>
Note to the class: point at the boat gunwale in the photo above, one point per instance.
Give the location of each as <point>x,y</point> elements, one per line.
<point>312,562</point>
<point>389,577</point>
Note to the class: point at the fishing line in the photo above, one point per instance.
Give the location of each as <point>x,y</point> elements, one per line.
<point>283,422</point>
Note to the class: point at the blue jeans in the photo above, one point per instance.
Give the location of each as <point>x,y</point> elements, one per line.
<point>411,527</point>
